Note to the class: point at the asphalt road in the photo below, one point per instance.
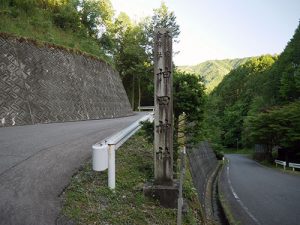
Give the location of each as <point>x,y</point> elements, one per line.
<point>37,162</point>
<point>261,195</point>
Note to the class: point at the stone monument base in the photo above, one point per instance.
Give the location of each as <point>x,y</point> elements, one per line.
<point>166,195</point>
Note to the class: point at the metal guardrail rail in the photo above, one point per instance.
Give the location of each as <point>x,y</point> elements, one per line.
<point>146,108</point>
<point>104,151</point>
<point>283,163</point>
<point>294,165</point>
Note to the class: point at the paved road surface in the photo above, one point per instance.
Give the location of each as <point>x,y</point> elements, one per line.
<point>37,162</point>
<point>261,195</point>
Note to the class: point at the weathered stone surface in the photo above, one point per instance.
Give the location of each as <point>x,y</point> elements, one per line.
<point>203,162</point>
<point>163,104</point>
<point>166,195</point>
<point>48,84</point>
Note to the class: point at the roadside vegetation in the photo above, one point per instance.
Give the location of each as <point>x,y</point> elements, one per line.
<point>258,103</point>
<point>88,200</point>
<point>55,22</point>
<point>243,151</point>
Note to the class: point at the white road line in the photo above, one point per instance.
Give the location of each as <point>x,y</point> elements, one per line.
<point>239,200</point>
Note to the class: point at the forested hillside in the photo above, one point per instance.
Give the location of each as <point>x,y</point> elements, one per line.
<point>213,71</point>
<point>258,102</point>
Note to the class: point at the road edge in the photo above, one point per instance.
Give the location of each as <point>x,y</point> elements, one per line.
<point>223,202</point>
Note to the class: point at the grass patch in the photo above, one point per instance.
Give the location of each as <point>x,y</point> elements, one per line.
<point>243,151</point>
<point>88,200</point>
<point>39,25</point>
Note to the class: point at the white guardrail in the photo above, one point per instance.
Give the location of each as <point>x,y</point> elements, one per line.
<point>104,151</point>
<point>146,108</point>
<point>294,165</point>
<point>283,163</point>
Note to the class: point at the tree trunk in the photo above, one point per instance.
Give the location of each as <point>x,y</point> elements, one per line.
<point>132,93</point>
<point>140,94</point>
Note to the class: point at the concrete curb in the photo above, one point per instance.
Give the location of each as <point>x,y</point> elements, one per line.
<point>209,200</point>
<point>224,205</point>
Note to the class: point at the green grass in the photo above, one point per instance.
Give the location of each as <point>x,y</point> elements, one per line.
<point>244,151</point>
<point>38,25</point>
<point>88,200</point>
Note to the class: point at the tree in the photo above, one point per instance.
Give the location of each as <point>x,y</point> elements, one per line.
<point>162,18</point>
<point>188,94</point>
<point>96,16</point>
<point>131,59</point>
<point>277,126</point>
<point>233,99</point>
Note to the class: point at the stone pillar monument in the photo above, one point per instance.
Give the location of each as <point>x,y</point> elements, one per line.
<point>163,102</point>
<point>164,188</point>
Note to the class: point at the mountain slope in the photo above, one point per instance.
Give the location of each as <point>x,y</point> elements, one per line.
<point>259,103</point>
<point>214,71</point>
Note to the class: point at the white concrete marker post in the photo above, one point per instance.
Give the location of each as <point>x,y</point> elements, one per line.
<point>112,166</point>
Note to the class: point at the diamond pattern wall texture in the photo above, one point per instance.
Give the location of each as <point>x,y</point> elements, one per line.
<point>47,84</point>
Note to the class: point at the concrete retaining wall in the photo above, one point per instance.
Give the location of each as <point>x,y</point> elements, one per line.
<point>43,84</point>
<point>204,164</point>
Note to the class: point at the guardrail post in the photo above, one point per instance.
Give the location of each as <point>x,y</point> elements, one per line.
<point>111,167</point>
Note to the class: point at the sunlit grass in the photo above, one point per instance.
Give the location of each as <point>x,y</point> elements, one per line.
<point>88,200</point>
<point>38,25</point>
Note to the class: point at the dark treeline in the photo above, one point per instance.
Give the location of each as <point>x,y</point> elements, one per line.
<point>259,103</point>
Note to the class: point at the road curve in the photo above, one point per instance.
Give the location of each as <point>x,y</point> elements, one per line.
<point>37,162</point>
<point>260,195</point>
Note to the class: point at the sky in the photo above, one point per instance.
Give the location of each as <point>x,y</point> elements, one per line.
<point>223,29</point>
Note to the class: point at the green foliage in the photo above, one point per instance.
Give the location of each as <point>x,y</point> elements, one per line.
<point>230,101</point>
<point>95,15</point>
<point>162,18</point>
<point>277,126</point>
<point>52,21</point>
<point>258,102</point>
<point>165,19</point>
<point>189,99</point>
<point>283,82</point>
<point>219,154</point>
<point>132,61</point>
<point>213,71</point>
<point>66,16</point>
<point>148,131</point>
